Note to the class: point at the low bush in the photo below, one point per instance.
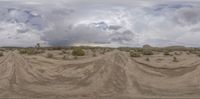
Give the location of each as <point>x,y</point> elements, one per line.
<point>134,54</point>
<point>147,52</point>
<point>64,52</point>
<point>31,51</point>
<point>175,59</point>
<point>49,55</point>
<point>64,57</point>
<point>78,52</point>
<point>166,53</point>
<point>1,54</point>
<point>147,59</point>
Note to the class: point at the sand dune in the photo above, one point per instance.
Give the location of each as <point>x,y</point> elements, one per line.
<point>114,75</point>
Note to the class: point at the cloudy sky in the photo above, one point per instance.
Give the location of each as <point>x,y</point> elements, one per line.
<point>100,22</point>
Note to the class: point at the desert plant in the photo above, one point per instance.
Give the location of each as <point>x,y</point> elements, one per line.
<point>198,54</point>
<point>94,54</point>
<point>166,53</point>
<point>103,52</point>
<point>49,55</point>
<point>176,53</point>
<point>78,52</point>
<point>64,52</point>
<point>134,54</point>
<point>175,59</point>
<point>1,54</point>
<point>64,57</point>
<point>22,51</point>
<point>147,52</point>
<point>75,57</point>
<point>147,59</point>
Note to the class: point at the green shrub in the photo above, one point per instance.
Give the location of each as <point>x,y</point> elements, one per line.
<point>49,55</point>
<point>134,54</point>
<point>147,52</point>
<point>78,52</point>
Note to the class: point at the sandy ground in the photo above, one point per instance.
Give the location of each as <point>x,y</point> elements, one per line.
<point>114,75</point>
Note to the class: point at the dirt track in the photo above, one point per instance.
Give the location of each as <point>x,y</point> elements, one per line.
<point>114,75</point>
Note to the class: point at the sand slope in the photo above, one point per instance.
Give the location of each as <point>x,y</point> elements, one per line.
<point>112,75</point>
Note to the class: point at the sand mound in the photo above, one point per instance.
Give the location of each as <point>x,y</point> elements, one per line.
<point>111,75</point>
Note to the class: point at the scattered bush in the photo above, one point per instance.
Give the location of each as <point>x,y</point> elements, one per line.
<point>134,54</point>
<point>22,51</point>
<point>94,54</point>
<point>49,55</point>
<point>1,54</point>
<point>166,53</point>
<point>31,51</point>
<point>75,57</point>
<point>198,54</point>
<point>78,52</point>
<point>147,52</point>
<point>64,52</point>
<point>147,59</point>
<point>64,57</point>
<point>176,53</point>
<point>175,59</point>
<point>103,52</point>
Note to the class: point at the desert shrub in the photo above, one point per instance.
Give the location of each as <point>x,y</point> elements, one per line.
<point>147,52</point>
<point>31,51</point>
<point>103,52</point>
<point>166,53</point>
<point>64,57</point>
<point>175,59</point>
<point>2,49</point>
<point>147,59</point>
<point>198,54</point>
<point>22,51</point>
<point>78,52</point>
<point>176,53</point>
<point>94,54</point>
<point>134,54</point>
<point>49,55</point>
<point>75,57</point>
<point>64,52</point>
<point>1,54</point>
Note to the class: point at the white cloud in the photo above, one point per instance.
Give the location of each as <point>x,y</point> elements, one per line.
<point>99,22</point>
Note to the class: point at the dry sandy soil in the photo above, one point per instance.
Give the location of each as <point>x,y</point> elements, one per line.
<point>114,75</point>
